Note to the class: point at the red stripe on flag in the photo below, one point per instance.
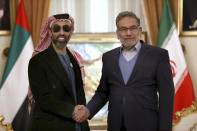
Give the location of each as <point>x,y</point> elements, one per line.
<point>21,18</point>
<point>184,96</point>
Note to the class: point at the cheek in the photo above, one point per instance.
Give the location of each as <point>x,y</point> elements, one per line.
<point>138,33</point>
<point>54,36</point>
<point>67,35</point>
<point>119,35</point>
<point>54,33</point>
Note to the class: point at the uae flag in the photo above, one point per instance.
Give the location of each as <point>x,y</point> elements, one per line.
<point>168,39</point>
<point>14,84</point>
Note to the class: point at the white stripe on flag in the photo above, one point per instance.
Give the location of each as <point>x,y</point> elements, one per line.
<point>15,88</point>
<point>176,55</point>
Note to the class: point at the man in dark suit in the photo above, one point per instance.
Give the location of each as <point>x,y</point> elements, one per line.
<point>136,80</point>
<point>56,78</point>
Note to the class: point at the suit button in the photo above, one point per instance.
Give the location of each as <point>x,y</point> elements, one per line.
<point>123,100</point>
<point>53,86</point>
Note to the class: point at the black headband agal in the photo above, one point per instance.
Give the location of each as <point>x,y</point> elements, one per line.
<point>62,16</point>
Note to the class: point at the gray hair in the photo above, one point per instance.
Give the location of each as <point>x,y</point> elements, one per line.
<point>126,14</point>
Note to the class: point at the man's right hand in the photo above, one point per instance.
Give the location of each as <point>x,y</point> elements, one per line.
<point>81,113</point>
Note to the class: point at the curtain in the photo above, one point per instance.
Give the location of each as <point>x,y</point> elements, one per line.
<point>96,15</point>
<point>152,11</point>
<point>13,10</point>
<point>36,11</point>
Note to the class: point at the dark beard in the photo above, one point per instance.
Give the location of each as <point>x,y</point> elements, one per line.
<point>60,45</point>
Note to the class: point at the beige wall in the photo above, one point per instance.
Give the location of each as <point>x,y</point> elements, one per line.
<point>190,44</point>
<point>4,42</point>
<point>187,122</point>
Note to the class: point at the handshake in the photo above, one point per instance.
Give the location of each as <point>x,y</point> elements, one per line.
<point>80,113</point>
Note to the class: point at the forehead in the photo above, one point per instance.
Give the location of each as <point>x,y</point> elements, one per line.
<point>61,23</point>
<point>127,21</point>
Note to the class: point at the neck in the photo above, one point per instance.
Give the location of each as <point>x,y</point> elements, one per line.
<point>58,50</point>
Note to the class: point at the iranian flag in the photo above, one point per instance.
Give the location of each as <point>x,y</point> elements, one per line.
<point>14,84</point>
<point>168,39</point>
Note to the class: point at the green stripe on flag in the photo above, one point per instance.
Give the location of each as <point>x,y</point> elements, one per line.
<point>166,23</point>
<point>19,39</point>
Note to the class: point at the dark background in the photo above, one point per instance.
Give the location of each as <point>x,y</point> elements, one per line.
<point>189,14</point>
<point>5,20</point>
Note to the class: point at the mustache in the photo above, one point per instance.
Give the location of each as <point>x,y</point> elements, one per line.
<point>129,37</point>
<point>61,36</point>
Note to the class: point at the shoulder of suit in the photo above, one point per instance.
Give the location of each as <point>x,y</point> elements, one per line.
<point>40,56</point>
<point>154,48</point>
<point>113,51</point>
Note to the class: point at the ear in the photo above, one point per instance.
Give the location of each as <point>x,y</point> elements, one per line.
<point>140,29</point>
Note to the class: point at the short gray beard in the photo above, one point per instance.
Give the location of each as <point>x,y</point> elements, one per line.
<point>130,46</point>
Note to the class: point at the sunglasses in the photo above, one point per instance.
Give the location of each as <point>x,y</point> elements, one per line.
<point>57,28</point>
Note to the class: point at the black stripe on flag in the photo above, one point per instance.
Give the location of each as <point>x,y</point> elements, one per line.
<point>21,120</point>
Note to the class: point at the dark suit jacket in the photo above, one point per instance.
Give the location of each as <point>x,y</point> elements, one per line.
<point>52,91</point>
<point>142,112</point>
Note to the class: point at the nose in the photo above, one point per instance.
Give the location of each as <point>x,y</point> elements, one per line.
<point>61,31</point>
<point>128,32</point>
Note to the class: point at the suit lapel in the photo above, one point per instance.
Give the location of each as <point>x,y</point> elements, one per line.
<point>138,62</point>
<point>56,66</point>
<point>117,70</point>
<point>78,78</point>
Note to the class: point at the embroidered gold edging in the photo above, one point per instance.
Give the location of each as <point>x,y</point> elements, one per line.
<point>185,111</point>
<point>6,127</point>
<point>98,124</point>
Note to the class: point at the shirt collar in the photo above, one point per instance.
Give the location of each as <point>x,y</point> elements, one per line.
<point>138,46</point>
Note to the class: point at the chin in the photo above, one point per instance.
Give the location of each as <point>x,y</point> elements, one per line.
<point>129,44</point>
